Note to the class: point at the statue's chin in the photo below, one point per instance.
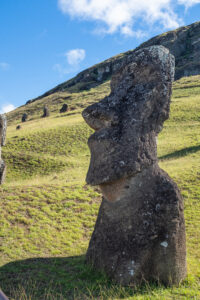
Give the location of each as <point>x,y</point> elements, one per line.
<point>113,191</point>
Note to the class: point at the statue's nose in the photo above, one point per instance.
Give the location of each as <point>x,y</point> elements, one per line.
<point>98,117</point>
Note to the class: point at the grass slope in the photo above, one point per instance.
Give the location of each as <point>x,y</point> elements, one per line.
<point>48,213</point>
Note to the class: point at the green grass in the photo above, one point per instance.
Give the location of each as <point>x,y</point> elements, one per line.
<point>48,213</point>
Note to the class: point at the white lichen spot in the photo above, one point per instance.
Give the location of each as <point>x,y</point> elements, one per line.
<point>131,272</point>
<point>164,244</point>
<point>105,179</point>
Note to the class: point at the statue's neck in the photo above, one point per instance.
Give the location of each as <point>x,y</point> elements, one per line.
<point>117,190</point>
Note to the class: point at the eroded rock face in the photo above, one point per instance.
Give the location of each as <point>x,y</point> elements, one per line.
<point>3,127</point>
<point>140,232</point>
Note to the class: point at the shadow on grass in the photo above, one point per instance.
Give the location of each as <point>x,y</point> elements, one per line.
<point>181,153</point>
<point>50,278</point>
<point>66,278</point>
<point>61,278</point>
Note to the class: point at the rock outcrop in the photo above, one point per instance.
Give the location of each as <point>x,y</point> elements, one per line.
<point>3,127</point>
<point>183,43</point>
<point>140,232</point>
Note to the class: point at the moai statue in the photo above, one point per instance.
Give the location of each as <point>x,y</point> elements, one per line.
<point>64,108</point>
<point>45,112</point>
<point>140,230</point>
<point>24,117</point>
<point>3,127</point>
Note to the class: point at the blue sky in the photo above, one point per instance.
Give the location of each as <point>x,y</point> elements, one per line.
<point>46,42</point>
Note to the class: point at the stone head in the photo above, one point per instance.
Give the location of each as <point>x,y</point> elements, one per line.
<point>127,122</point>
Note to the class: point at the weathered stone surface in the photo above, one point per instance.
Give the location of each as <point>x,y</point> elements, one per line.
<point>3,127</point>
<point>140,233</point>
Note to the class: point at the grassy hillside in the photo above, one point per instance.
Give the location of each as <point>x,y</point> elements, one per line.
<point>75,99</point>
<point>48,212</point>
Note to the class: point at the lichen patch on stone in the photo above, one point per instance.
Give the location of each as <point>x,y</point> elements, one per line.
<point>164,244</point>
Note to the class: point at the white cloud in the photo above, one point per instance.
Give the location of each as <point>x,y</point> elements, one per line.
<point>71,64</point>
<point>75,56</point>
<point>127,31</point>
<point>4,66</point>
<point>188,3</point>
<point>6,108</point>
<point>120,15</point>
